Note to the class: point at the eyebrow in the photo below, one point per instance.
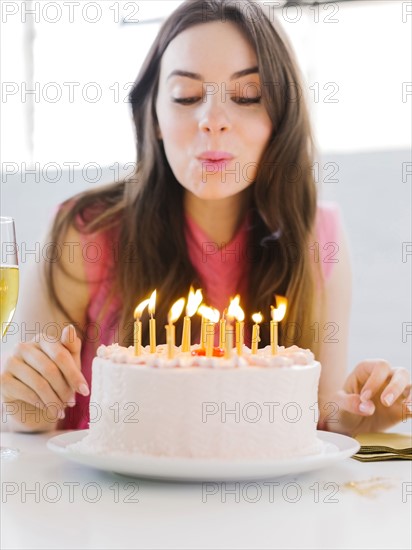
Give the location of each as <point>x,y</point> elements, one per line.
<point>197,76</point>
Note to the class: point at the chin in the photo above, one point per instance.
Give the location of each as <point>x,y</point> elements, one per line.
<point>215,190</point>
<point>210,194</point>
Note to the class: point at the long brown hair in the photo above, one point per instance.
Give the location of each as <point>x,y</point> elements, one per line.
<point>147,209</point>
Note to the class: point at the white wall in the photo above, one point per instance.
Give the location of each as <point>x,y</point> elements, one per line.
<point>355,57</point>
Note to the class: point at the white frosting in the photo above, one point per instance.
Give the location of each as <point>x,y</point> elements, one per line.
<point>286,357</point>
<point>253,406</point>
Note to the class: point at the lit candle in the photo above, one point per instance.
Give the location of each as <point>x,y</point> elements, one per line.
<point>228,337</point>
<point>256,318</point>
<point>210,338</point>
<point>240,327</point>
<point>211,316</point>
<point>193,302</point>
<point>137,332</point>
<point>277,315</point>
<point>222,330</point>
<point>174,314</point>
<point>203,330</point>
<point>239,315</point>
<point>231,312</point>
<point>152,322</point>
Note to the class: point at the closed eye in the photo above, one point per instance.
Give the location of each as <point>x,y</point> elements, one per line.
<point>186,100</point>
<point>238,100</point>
<point>246,100</point>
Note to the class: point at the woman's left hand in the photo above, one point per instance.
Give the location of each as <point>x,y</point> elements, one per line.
<point>374,397</point>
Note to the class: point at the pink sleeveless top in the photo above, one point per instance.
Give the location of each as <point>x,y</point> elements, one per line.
<point>221,270</point>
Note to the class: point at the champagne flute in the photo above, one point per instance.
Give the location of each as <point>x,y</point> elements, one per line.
<point>9,273</point>
<point>9,289</point>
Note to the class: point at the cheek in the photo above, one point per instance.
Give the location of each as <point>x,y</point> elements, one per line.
<point>249,171</point>
<point>179,131</point>
<point>174,127</point>
<point>177,140</point>
<point>264,133</point>
<point>265,130</point>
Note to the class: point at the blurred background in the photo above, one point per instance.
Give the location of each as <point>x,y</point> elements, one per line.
<point>67,68</point>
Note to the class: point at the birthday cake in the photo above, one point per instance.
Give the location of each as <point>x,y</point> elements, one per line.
<point>247,406</point>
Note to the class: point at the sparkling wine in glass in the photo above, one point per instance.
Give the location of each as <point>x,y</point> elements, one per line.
<point>9,273</point>
<point>9,290</point>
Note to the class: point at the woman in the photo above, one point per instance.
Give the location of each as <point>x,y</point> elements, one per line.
<point>223,198</point>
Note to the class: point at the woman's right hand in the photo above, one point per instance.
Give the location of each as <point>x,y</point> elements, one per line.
<point>45,374</point>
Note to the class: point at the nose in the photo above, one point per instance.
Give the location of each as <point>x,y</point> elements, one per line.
<point>214,118</point>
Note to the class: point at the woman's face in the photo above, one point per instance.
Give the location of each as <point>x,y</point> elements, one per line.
<point>212,122</point>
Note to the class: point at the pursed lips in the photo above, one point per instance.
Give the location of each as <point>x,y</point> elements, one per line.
<point>215,156</point>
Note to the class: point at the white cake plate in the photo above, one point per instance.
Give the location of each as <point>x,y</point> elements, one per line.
<point>335,447</point>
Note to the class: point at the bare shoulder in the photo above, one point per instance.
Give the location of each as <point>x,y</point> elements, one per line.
<point>335,319</point>
<point>69,279</point>
<point>340,280</point>
<point>63,276</point>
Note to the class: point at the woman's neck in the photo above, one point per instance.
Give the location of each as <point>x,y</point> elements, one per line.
<point>219,219</point>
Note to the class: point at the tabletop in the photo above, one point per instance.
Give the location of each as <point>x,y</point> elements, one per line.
<point>49,502</point>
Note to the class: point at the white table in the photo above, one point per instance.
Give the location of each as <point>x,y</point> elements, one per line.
<point>48,502</point>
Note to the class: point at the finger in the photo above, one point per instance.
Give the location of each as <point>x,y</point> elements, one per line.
<point>399,383</point>
<point>376,373</point>
<point>39,361</point>
<point>363,370</point>
<point>31,378</point>
<point>14,390</point>
<point>60,355</point>
<point>72,342</point>
<point>407,392</point>
<point>407,400</point>
<point>351,402</point>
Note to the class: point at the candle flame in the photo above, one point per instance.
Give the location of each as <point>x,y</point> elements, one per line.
<point>152,303</point>
<point>257,318</point>
<point>139,309</point>
<point>209,313</point>
<point>232,309</point>
<point>193,302</point>
<point>239,315</point>
<point>235,311</point>
<point>279,312</point>
<point>176,311</point>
